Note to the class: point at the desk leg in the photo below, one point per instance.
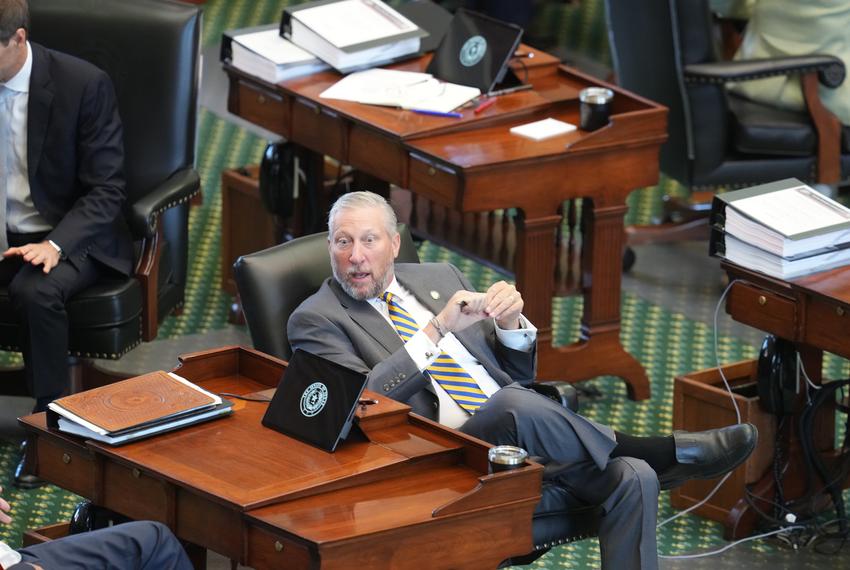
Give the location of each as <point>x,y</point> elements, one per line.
<point>598,352</point>
<point>197,555</point>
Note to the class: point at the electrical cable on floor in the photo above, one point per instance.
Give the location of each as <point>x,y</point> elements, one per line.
<point>732,544</point>
<point>717,350</point>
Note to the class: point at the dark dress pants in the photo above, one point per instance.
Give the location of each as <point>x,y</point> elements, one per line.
<point>141,545</point>
<point>577,451</point>
<point>40,300</point>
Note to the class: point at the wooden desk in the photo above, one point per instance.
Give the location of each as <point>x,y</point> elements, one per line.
<point>406,493</point>
<point>474,164</point>
<point>814,313</point>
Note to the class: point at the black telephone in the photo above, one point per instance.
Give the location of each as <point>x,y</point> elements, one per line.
<point>777,375</point>
<point>277,178</point>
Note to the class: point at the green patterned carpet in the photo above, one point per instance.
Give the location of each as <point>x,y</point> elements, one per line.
<point>666,343</point>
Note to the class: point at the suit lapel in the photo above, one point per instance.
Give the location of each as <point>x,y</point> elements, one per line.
<point>40,101</point>
<point>365,315</point>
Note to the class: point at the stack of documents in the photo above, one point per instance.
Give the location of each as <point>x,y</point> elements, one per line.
<point>784,229</point>
<point>351,34</point>
<point>272,58</point>
<point>135,408</point>
<point>404,89</point>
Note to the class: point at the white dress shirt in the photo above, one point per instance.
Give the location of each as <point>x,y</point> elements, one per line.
<point>424,352</point>
<point>8,557</point>
<point>21,214</point>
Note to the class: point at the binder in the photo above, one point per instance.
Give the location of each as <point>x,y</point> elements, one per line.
<point>812,239</point>
<point>225,53</point>
<point>349,56</point>
<point>135,408</point>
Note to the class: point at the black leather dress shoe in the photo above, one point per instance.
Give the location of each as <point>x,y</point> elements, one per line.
<point>708,454</point>
<point>23,478</point>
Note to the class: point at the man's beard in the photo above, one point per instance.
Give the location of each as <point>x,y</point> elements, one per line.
<point>377,287</point>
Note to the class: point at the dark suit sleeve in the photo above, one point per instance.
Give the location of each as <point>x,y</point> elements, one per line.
<point>396,375</point>
<point>100,164</point>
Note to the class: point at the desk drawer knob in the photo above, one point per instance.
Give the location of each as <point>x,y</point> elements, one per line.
<point>66,458</point>
<point>136,473</point>
<point>839,311</point>
<point>432,171</point>
<point>261,99</point>
<point>278,546</point>
<point>762,300</point>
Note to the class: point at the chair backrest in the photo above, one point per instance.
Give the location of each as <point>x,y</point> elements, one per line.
<point>650,43</point>
<point>151,51</point>
<point>273,282</point>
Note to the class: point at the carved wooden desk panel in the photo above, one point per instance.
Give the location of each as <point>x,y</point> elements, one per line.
<point>269,501</point>
<point>473,164</point>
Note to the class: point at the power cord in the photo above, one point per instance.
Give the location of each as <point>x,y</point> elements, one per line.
<point>732,544</point>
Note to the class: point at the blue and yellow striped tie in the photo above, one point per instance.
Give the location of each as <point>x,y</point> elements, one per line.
<point>449,375</point>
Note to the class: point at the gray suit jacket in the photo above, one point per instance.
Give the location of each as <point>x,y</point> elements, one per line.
<point>332,324</point>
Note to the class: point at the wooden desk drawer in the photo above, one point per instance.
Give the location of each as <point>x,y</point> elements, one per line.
<point>435,181</point>
<point>827,325</point>
<point>68,467</point>
<point>318,128</point>
<point>763,310</point>
<point>262,107</point>
<point>266,550</point>
<point>135,493</point>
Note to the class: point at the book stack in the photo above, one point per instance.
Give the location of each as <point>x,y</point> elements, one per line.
<point>784,229</point>
<point>351,34</point>
<point>135,408</point>
<point>263,53</point>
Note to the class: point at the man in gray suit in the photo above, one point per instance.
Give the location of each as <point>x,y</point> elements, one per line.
<point>424,337</point>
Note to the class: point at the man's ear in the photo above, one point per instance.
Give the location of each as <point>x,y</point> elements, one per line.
<point>396,244</point>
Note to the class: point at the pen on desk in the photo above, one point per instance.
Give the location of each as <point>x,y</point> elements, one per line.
<point>437,113</point>
<point>528,54</point>
<point>507,90</point>
<point>484,105</point>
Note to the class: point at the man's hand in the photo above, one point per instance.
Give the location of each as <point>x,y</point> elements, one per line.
<point>37,254</point>
<point>463,309</point>
<point>4,508</point>
<point>504,303</point>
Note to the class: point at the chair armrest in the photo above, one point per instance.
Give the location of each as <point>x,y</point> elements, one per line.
<point>178,188</point>
<point>562,392</point>
<point>829,68</point>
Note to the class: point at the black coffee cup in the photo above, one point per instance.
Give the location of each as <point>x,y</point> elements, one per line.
<point>595,107</point>
<point>506,457</point>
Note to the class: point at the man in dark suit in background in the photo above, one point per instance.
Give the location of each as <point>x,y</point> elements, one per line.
<point>424,337</point>
<point>61,194</point>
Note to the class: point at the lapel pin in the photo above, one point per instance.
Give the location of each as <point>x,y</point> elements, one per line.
<point>435,295</point>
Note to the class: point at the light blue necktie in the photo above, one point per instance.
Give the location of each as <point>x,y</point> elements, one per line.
<point>445,370</point>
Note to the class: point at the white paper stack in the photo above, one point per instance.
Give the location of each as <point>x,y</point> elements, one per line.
<point>403,89</point>
<point>542,130</point>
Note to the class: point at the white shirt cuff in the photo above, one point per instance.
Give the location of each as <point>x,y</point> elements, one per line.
<point>422,350</point>
<point>521,339</point>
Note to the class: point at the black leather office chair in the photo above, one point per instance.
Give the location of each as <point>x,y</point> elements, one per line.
<point>150,49</point>
<point>665,50</point>
<point>273,282</point>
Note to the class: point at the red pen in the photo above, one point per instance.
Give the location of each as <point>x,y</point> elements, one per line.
<point>484,105</point>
